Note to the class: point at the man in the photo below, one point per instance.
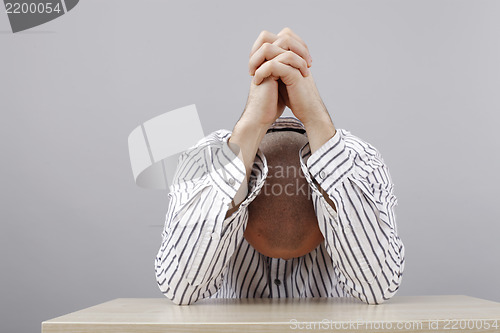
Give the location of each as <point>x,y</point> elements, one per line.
<point>240,222</point>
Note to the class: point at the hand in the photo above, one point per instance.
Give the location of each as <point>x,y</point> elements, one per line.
<point>285,61</point>
<point>267,100</point>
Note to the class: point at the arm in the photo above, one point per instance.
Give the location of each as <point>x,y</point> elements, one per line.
<point>244,142</point>
<point>319,131</point>
<point>196,231</point>
<point>349,175</point>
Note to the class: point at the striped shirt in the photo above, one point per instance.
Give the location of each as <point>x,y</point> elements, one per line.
<point>204,254</point>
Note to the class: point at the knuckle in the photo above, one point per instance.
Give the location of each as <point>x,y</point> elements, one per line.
<point>287,39</point>
<point>264,33</point>
<point>282,42</point>
<point>272,65</point>
<point>266,46</point>
<point>284,34</point>
<point>289,55</point>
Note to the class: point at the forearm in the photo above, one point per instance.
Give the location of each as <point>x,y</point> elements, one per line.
<point>364,245</point>
<point>170,279</point>
<point>207,178</point>
<point>319,129</point>
<point>245,141</point>
<point>361,233</point>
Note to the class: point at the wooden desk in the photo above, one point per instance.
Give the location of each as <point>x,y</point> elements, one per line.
<point>407,314</point>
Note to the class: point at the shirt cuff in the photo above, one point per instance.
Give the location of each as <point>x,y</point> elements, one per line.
<point>228,172</point>
<point>257,178</point>
<point>225,168</point>
<point>330,164</point>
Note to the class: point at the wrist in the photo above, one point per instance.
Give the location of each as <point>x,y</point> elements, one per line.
<point>248,127</point>
<point>245,140</point>
<point>313,113</point>
<point>319,130</point>
<point>258,116</point>
<point>317,120</point>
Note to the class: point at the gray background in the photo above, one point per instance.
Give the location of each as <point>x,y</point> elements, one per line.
<point>417,79</point>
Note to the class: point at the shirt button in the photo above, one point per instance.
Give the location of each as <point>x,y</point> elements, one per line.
<point>322,175</point>
<point>231,181</point>
<point>347,229</point>
<point>215,236</point>
<point>277,282</point>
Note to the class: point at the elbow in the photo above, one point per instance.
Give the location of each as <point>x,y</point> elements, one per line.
<point>165,288</point>
<point>181,294</point>
<point>381,290</point>
<point>385,294</point>
<point>179,301</point>
<point>378,299</point>
<point>181,298</point>
<point>386,287</point>
<point>176,298</point>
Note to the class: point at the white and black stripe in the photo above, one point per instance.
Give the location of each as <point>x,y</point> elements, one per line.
<point>205,255</point>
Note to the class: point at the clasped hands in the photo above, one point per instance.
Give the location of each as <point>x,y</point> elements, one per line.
<point>281,77</point>
<point>280,65</point>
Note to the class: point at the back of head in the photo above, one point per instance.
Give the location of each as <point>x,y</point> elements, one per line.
<point>282,222</point>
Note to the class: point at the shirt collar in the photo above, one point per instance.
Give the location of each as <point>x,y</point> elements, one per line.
<point>287,124</point>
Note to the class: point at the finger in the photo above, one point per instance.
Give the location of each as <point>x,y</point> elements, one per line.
<point>264,37</point>
<point>287,40</point>
<point>289,43</point>
<point>292,59</point>
<point>271,51</point>
<point>276,70</point>
<point>288,31</point>
<point>267,51</point>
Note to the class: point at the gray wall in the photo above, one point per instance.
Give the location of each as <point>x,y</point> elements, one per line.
<point>417,79</point>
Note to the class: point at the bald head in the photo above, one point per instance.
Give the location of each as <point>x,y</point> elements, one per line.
<point>282,222</point>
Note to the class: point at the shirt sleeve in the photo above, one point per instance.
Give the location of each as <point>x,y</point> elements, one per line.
<point>361,235</point>
<point>197,239</point>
